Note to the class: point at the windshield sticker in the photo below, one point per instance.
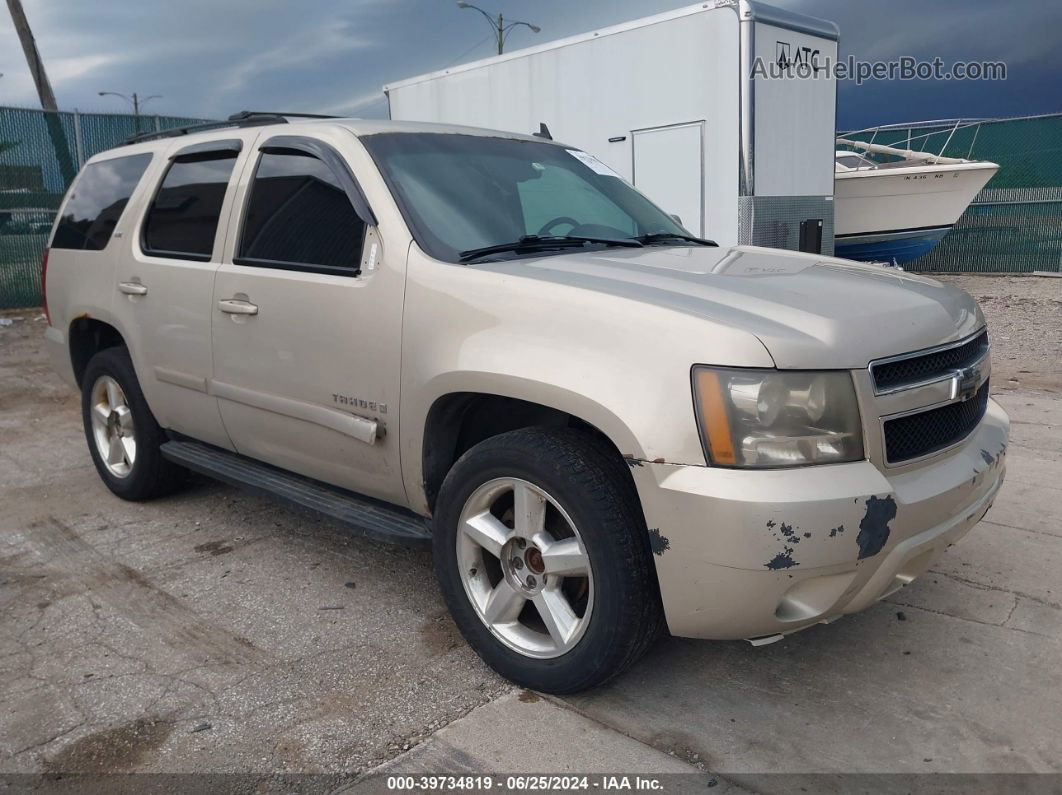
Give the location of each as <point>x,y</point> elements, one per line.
<point>592,163</point>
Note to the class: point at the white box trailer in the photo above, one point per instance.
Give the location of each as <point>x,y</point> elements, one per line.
<point>674,103</point>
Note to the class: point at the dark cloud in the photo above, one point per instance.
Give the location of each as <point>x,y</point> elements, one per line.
<point>211,57</point>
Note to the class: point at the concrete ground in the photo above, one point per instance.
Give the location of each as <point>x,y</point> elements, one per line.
<point>218,632</point>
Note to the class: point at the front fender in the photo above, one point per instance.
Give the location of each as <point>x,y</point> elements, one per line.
<point>618,363</point>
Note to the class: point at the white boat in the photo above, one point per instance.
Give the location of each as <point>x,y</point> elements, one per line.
<point>893,204</point>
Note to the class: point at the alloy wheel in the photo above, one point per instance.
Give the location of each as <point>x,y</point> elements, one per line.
<point>112,426</point>
<point>524,568</point>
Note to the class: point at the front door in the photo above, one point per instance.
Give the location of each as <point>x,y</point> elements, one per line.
<point>669,169</point>
<point>307,322</point>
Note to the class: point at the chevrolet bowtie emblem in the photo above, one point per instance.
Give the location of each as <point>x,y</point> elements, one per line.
<point>966,381</point>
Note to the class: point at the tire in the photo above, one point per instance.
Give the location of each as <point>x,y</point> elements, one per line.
<point>136,471</point>
<point>587,491</point>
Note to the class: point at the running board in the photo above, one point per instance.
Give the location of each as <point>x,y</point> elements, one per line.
<point>365,515</point>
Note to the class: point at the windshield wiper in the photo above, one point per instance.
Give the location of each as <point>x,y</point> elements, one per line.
<point>656,237</point>
<point>544,243</point>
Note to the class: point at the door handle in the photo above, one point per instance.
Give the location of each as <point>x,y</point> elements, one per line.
<point>234,306</point>
<point>132,288</point>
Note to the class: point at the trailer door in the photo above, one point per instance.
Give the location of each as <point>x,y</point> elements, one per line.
<point>669,169</point>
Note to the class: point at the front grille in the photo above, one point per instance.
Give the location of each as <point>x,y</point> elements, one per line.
<point>917,435</point>
<point>916,369</point>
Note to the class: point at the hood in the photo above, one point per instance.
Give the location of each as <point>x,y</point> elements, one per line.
<point>808,310</point>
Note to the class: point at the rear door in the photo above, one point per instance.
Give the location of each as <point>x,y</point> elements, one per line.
<point>307,319</point>
<point>669,169</point>
<point>164,288</point>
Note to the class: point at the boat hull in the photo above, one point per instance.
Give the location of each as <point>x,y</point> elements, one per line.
<point>899,214</point>
<point>897,247</point>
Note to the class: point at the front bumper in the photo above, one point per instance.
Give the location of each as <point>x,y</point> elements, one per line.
<point>759,554</point>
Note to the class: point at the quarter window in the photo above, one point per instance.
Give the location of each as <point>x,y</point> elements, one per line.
<point>183,219</point>
<point>96,205</point>
<point>299,216</point>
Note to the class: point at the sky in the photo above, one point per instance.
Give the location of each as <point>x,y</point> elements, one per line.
<point>210,58</point>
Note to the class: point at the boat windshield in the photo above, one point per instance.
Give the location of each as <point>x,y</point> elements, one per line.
<point>463,194</point>
<point>854,161</point>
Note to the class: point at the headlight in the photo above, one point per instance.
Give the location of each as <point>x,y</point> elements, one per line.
<point>777,418</point>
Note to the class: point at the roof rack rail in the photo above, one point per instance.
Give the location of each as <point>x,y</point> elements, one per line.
<point>245,118</point>
<point>251,114</point>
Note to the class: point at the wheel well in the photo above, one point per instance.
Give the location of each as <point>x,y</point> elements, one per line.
<point>88,337</point>
<point>459,421</point>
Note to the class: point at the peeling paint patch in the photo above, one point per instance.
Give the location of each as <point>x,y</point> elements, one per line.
<point>987,457</point>
<point>874,526</point>
<point>657,542</point>
<point>783,560</point>
<point>836,531</point>
<point>632,462</point>
<point>789,537</point>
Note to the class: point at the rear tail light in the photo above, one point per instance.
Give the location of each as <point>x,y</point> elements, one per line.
<point>44,286</point>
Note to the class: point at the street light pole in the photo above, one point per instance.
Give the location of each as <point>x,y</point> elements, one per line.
<point>135,101</point>
<point>501,30</point>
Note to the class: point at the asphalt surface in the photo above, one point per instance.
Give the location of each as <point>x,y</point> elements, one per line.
<point>218,632</point>
<point>208,631</point>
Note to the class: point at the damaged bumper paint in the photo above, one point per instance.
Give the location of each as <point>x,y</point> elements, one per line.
<point>759,554</point>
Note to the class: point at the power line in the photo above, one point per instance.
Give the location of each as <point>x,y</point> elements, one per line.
<point>479,43</point>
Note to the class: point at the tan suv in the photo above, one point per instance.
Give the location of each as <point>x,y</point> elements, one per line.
<point>604,425</point>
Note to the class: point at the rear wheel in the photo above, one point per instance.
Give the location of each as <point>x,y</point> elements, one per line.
<point>122,434</point>
<point>542,555</point>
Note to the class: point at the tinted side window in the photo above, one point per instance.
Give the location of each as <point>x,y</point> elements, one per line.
<point>183,218</point>
<point>97,202</point>
<point>298,214</point>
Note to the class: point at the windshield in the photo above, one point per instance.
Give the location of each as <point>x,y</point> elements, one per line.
<point>853,161</point>
<point>459,193</point>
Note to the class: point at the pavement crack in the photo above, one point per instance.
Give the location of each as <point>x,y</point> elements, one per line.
<point>982,587</point>
<point>51,739</point>
<point>969,619</point>
<point>1023,529</point>
<point>1013,609</point>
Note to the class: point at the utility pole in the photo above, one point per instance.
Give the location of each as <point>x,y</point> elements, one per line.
<point>33,57</point>
<point>44,91</point>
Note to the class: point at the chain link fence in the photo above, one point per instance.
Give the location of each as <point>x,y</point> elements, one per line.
<point>1014,225</point>
<point>40,154</point>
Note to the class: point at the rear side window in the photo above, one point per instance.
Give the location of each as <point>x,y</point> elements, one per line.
<point>94,208</point>
<point>299,217</point>
<point>183,219</point>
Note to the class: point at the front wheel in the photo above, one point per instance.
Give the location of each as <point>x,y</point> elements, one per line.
<point>542,555</point>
